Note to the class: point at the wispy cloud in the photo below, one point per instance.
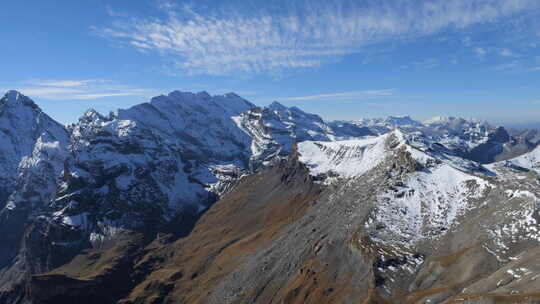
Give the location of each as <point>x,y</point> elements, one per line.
<point>66,83</point>
<point>358,95</point>
<point>303,35</point>
<point>80,89</point>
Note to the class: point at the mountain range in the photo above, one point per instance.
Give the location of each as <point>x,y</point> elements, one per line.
<point>193,198</point>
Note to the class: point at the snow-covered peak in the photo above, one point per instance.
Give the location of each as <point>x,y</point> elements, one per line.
<point>92,115</point>
<point>401,121</point>
<point>470,138</point>
<point>32,150</point>
<point>187,143</point>
<point>455,123</point>
<point>230,102</point>
<point>21,117</point>
<point>444,120</point>
<point>438,119</point>
<point>347,158</point>
<point>425,190</point>
<point>291,113</point>
<point>352,158</point>
<point>384,125</point>
<point>425,204</point>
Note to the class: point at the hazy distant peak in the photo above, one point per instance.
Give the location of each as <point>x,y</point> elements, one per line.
<point>452,120</point>
<point>402,121</point>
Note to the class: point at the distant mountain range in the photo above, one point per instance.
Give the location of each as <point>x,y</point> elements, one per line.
<point>193,198</point>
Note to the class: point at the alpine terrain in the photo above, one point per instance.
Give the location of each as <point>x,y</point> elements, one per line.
<point>193,198</point>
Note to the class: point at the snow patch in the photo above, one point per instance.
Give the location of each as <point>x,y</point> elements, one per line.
<point>426,205</point>
<point>346,158</point>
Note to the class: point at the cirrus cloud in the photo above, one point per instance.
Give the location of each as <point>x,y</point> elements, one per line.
<point>367,94</point>
<point>86,89</point>
<point>301,34</point>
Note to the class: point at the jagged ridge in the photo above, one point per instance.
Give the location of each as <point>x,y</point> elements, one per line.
<point>156,166</point>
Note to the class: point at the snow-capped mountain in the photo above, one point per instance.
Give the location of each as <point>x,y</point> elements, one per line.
<point>155,167</point>
<point>389,219</point>
<point>434,188</point>
<point>471,139</point>
<point>275,129</point>
<point>385,125</point>
<point>31,143</point>
<point>32,153</point>
<point>390,121</point>
<point>152,167</point>
<point>343,159</point>
<point>177,151</point>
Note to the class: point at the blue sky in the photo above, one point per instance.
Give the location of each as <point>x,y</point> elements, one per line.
<point>340,59</point>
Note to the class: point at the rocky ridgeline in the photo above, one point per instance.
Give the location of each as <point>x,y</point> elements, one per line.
<point>155,167</point>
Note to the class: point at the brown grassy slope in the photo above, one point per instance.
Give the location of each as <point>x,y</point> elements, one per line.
<point>86,278</point>
<point>244,220</point>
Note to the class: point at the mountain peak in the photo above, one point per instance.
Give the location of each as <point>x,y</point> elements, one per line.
<point>204,95</point>
<point>12,95</point>
<point>402,121</point>
<point>277,106</point>
<point>14,98</point>
<point>453,119</point>
<point>92,114</point>
<point>232,95</point>
<point>442,119</point>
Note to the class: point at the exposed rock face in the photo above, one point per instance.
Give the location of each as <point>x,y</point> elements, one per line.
<point>108,210</point>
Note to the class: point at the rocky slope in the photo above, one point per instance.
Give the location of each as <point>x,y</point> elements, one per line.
<point>107,210</point>
<point>412,226</point>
